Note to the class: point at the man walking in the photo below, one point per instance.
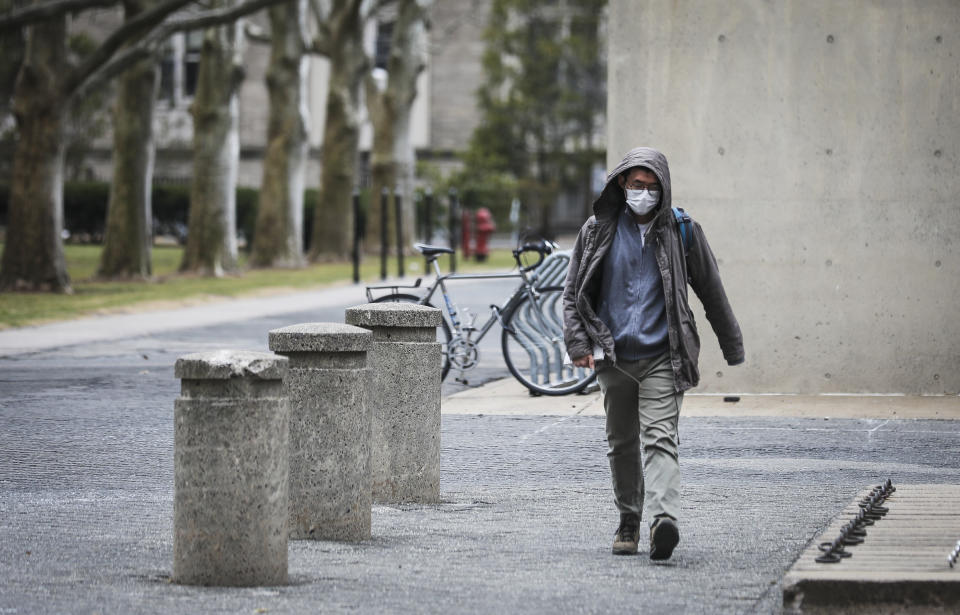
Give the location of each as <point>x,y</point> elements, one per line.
<point>626,315</point>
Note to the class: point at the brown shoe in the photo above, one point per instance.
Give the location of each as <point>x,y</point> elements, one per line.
<point>664,536</point>
<point>627,536</point>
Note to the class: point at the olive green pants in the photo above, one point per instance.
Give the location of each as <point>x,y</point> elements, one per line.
<point>642,409</point>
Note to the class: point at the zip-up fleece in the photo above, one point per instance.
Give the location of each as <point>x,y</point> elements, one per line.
<point>583,329</point>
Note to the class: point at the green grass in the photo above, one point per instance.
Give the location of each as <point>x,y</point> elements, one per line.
<point>170,288</point>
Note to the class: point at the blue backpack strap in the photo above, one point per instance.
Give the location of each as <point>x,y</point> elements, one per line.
<point>683,219</point>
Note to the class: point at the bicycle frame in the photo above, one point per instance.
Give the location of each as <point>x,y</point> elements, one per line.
<point>532,340</point>
<point>525,288</point>
<point>496,310</point>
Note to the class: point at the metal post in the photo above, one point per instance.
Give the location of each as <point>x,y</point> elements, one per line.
<point>356,237</point>
<point>428,230</point>
<point>428,214</point>
<point>398,209</point>
<point>515,222</point>
<point>418,227</point>
<point>384,197</point>
<point>453,229</point>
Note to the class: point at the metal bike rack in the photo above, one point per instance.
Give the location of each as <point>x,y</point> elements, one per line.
<point>854,531</point>
<point>553,270</point>
<point>541,336</point>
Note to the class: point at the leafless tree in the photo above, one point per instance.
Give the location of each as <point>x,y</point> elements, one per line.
<point>340,39</point>
<point>48,80</point>
<point>278,235</point>
<point>390,97</point>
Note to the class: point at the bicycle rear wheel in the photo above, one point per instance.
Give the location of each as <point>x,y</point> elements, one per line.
<point>443,332</point>
<point>533,347</point>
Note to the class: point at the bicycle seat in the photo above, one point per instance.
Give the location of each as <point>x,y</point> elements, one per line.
<point>431,250</point>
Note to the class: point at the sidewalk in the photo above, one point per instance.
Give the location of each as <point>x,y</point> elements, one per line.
<point>524,526</point>
<point>526,519</point>
<point>509,397</point>
<point>26,340</point>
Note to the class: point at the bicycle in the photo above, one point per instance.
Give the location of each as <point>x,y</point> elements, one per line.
<point>531,319</point>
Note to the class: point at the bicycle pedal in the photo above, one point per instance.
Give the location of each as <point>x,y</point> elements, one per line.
<point>593,387</point>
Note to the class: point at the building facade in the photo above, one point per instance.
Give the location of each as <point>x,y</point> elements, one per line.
<point>444,113</point>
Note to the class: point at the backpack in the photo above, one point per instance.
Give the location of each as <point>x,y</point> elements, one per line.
<point>684,220</point>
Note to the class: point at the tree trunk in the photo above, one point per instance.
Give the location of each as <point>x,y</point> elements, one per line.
<point>332,234</point>
<point>33,253</point>
<point>278,237</point>
<point>211,231</point>
<point>12,45</point>
<point>129,234</point>
<point>392,159</point>
<point>383,166</point>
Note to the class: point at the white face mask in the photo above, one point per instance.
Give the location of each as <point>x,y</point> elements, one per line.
<point>642,202</point>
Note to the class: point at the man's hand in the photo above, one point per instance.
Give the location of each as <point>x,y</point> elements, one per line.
<point>584,361</point>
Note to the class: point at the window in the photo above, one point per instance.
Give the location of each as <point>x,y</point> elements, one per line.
<point>180,67</point>
<point>191,62</point>
<point>167,73</point>
<point>384,39</point>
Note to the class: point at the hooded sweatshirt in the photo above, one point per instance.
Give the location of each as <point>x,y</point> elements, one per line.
<point>631,301</point>
<point>677,264</point>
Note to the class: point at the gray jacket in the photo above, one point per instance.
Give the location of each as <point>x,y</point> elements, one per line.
<point>582,329</point>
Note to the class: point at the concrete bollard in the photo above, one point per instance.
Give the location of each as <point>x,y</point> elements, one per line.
<point>230,470</point>
<point>329,429</point>
<point>404,398</point>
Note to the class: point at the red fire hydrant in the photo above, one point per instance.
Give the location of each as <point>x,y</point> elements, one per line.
<point>483,228</point>
<point>466,232</point>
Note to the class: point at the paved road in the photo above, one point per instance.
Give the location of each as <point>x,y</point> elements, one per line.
<point>153,340</point>
<point>526,523</point>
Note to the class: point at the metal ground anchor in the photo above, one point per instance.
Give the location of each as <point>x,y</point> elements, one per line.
<point>853,532</point>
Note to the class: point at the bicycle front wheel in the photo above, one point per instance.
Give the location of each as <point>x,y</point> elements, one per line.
<point>533,347</point>
<point>443,332</point>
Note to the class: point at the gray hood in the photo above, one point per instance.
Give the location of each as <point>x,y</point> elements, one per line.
<point>680,266</point>
<point>612,199</point>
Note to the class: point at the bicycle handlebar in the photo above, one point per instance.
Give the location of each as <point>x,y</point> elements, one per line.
<point>542,248</point>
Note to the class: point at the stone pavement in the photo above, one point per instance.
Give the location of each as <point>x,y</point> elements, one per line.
<point>526,521</point>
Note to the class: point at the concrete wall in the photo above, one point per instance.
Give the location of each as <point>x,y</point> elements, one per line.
<point>818,143</point>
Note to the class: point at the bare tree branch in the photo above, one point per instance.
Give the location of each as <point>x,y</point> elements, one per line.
<point>48,10</point>
<point>321,42</point>
<point>318,13</point>
<point>138,26</point>
<point>304,29</point>
<point>319,46</point>
<point>120,62</point>
<point>207,19</point>
<point>374,6</point>
<point>256,34</point>
<point>331,23</point>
